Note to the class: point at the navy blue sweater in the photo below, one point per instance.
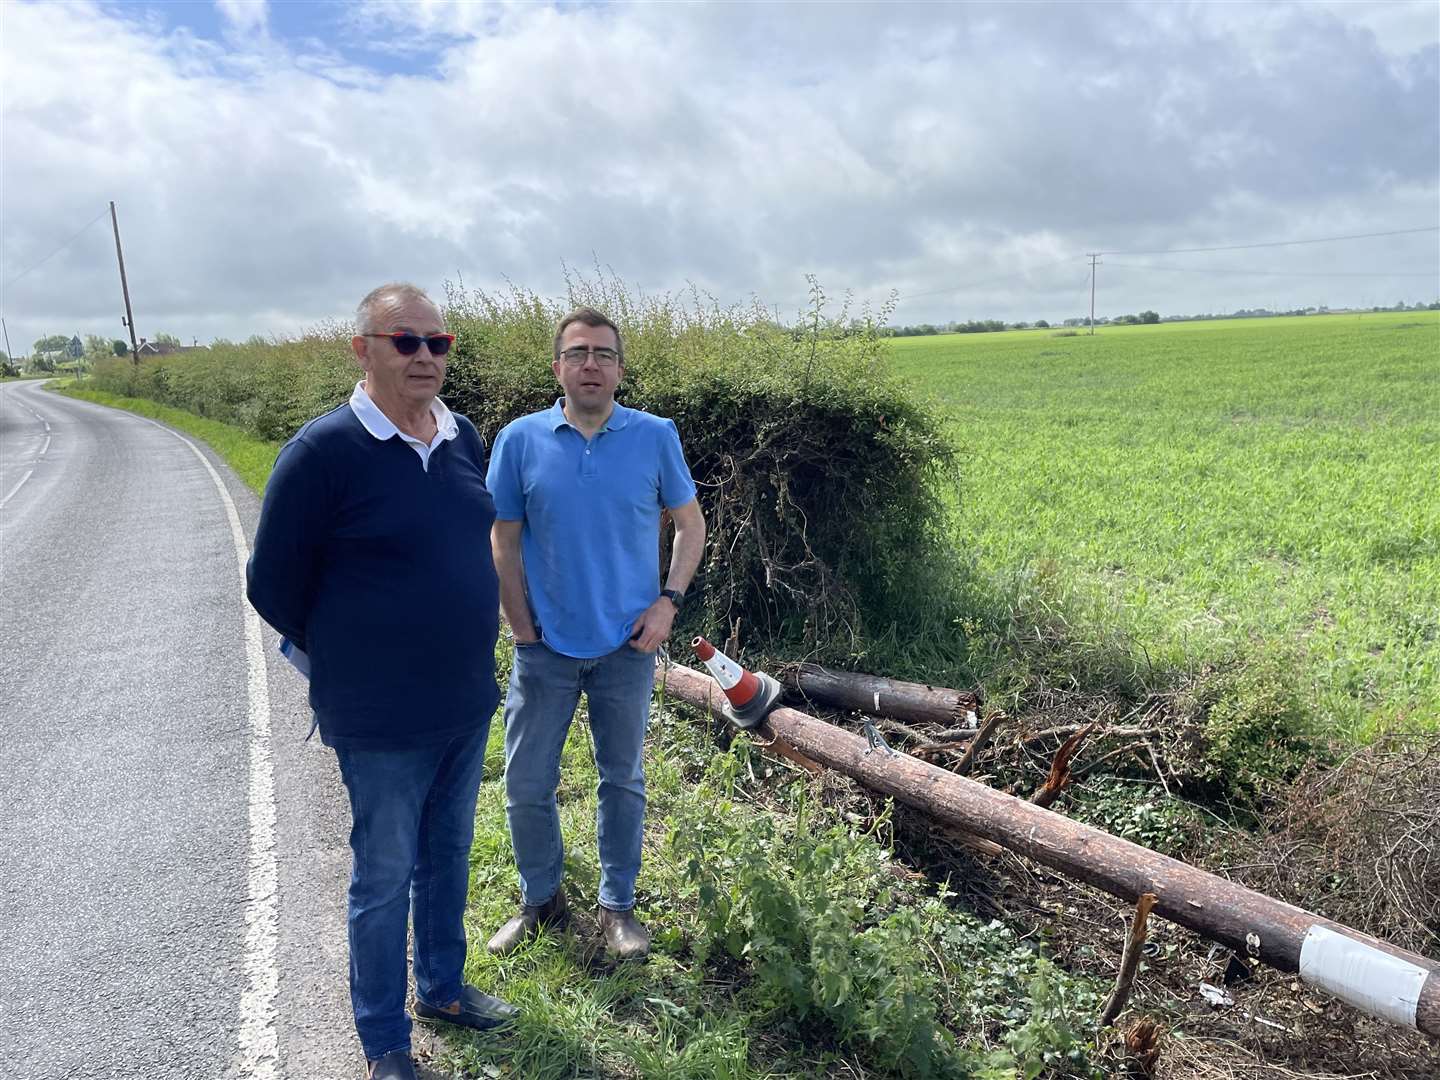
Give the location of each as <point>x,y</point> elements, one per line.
<point>382,573</point>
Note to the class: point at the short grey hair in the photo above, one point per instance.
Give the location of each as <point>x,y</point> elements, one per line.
<point>391,292</point>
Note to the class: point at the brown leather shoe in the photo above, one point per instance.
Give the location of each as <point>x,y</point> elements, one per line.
<point>625,936</point>
<point>552,914</point>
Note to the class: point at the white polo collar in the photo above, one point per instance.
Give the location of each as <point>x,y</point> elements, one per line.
<point>381,427</point>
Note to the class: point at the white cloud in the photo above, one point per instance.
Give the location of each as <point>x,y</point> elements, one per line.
<point>244,17</point>
<point>264,186</point>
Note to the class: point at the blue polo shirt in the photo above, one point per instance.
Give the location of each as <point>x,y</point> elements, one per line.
<point>591,539</point>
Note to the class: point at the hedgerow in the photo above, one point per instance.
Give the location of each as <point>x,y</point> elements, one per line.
<point>818,469</point>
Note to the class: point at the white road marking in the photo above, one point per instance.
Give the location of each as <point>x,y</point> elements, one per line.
<point>16,488</point>
<point>38,457</point>
<point>259,1051</point>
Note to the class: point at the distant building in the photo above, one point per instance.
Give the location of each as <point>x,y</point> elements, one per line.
<point>162,348</point>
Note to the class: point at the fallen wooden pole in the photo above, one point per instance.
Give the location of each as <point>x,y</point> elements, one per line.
<point>1372,975</point>
<point>894,698</point>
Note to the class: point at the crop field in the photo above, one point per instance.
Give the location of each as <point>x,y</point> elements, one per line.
<point>1217,489</point>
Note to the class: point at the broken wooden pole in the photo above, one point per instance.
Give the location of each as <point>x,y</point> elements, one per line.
<point>1372,975</point>
<point>895,698</point>
<point>1059,776</point>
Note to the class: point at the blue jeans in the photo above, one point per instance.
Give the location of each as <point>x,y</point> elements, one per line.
<point>545,688</point>
<point>413,820</point>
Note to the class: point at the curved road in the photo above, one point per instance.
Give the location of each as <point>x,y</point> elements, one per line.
<point>172,855</point>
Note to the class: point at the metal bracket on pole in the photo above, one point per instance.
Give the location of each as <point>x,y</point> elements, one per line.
<point>877,741</point>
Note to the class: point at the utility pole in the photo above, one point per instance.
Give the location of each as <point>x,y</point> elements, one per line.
<point>120,256</point>
<point>1094,258</point>
<point>9,355</point>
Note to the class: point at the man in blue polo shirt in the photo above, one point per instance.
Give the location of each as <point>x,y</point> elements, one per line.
<point>371,558</point>
<point>579,491</point>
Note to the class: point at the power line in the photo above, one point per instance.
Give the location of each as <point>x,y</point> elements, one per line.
<point>59,249</point>
<point>1434,274</point>
<point>1185,251</point>
<point>1277,243</point>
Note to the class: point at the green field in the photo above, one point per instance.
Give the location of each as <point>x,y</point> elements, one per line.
<point>1216,488</point>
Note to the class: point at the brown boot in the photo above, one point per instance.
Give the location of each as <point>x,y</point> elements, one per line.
<point>625,936</point>
<point>552,914</point>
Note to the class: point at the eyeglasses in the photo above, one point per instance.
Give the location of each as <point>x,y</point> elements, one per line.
<point>408,344</point>
<point>604,357</point>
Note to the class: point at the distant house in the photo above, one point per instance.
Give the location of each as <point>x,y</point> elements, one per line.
<point>162,348</point>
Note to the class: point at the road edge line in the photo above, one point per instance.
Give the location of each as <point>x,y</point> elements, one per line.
<point>259,1049</point>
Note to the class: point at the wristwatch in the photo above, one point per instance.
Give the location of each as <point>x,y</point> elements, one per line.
<point>675,596</point>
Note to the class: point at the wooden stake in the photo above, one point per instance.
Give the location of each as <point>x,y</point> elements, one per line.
<point>987,729</point>
<point>1129,961</point>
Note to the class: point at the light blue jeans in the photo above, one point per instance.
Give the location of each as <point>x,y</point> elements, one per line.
<point>413,815</point>
<point>545,688</point>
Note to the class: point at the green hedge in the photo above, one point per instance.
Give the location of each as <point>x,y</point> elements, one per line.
<point>818,469</point>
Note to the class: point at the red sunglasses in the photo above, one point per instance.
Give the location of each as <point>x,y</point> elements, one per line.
<point>408,344</point>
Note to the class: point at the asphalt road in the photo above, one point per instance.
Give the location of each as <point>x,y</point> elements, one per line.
<point>173,856</point>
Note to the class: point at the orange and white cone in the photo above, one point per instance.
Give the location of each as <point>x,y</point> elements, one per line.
<point>749,696</point>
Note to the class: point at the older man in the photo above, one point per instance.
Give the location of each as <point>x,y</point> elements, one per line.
<point>579,491</point>
<point>372,558</point>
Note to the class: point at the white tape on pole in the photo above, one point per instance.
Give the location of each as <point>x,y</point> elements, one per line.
<point>1362,975</point>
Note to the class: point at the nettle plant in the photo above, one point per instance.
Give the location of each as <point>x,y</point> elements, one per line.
<point>832,937</point>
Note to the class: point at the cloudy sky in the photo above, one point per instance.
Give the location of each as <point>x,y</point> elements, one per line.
<point>271,162</point>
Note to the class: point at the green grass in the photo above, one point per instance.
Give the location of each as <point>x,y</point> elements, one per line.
<point>1219,487</point>
<point>251,458</point>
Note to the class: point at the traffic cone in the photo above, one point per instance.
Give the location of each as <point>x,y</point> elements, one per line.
<point>748,696</point>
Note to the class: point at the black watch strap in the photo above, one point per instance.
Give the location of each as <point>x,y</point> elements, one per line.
<point>675,596</point>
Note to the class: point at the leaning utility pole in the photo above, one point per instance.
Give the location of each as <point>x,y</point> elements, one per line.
<point>125,288</point>
<point>8,354</point>
<point>1094,258</point>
